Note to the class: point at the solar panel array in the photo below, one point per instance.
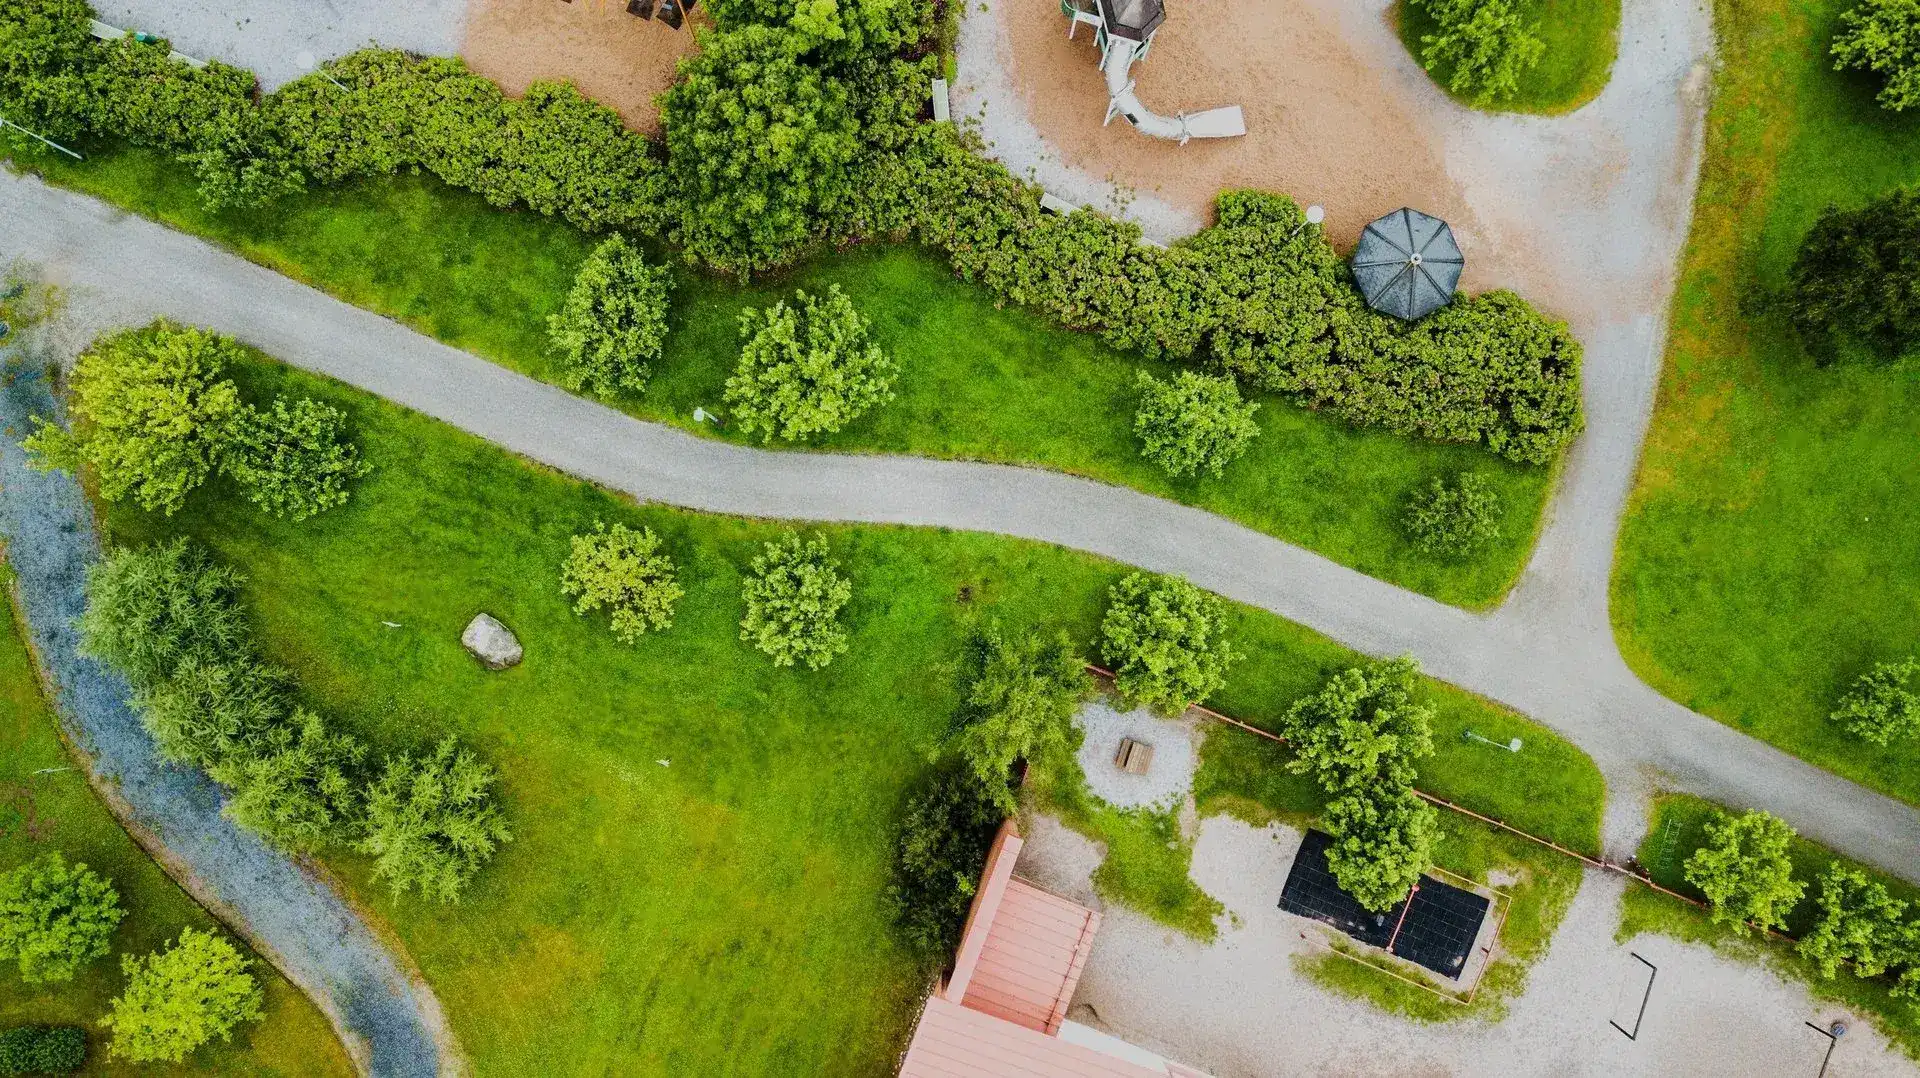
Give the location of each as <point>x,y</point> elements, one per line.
<point>1436,925</point>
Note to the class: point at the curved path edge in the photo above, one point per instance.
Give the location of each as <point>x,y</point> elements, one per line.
<point>384,1013</point>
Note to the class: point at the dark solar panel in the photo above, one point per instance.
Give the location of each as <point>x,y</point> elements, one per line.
<point>1440,924</point>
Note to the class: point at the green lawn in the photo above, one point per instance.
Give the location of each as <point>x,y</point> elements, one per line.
<point>1771,552</point>
<point>1582,39</point>
<point>59,811</point>
<point>723,912</point>
<point>978,380</point>
<point>1678,829</point>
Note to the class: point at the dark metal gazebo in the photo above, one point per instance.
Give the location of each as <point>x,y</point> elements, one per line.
<point>1407,264</point>
<point>1135,20</point>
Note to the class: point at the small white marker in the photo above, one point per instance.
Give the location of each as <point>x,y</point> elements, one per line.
<point>391,624</point>
<point>662,763</point>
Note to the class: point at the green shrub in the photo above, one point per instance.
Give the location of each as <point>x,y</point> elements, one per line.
<point>1165,641</point>
<point>1453,519</point>
<point>1744,871</point>
<point>1856,279</point>
<point>835,29</point>
<point>1859,923</point>
<point>1363,727</point>
<point>1194,423</point>
<point>176,1000</point>
<point>42,1050</point>
<point>1020,700</point>
<point>56,918</point>
<point>1883,36</point>
<point>209,710</point>
<point>151,414</point>
<point>1880,706</point>
<point>431,822</point>
<point>1382,841</point>
<point>808,370</point>
<point>794,596</point>
<point>295,786</point>
<point>1486,44</point>
<point>760,147</point>
<point>45,51</point>
<point>151,609</point>
<point>623,571</point>
<point>292,461</point>
<point>944,838</point>
<point>614,321</point>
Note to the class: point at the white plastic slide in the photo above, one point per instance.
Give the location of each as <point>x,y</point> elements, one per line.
<point>1224,122</point>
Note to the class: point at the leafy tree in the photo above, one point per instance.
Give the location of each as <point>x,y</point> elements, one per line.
<point>1883,36</point>
<point>1019,704</point>
<point>293,461</point>
<point>42,1050</point>
<point>1487,44</point>
<point>295,786</point>
<point>1859,923</point>
<point>45,52</point>
<point>56,918</point>
<point>1365,725</point>
<point>152,414</point>
<point>794,596</point>
<point>1856,279</point>
<point>431,822</point>
<point>806,371</point>
<point>944,839</point>
<point>1382,841</point>
<point>151,608</point>
<point>614,321</point>
<point>1165,641</point>
<point>1744,871</point>
<point>1881,706</point>
<point>178,999</point>
<point>835,28</point>
<point>760,148</point>
<point>623,571</point>
<point>1194,423</point>
<point>209,710</point>
<point>1454,519</point>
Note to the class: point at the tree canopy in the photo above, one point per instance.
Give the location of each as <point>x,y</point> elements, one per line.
<point>1165,641</point>
<point>56,918</point>
<point>1365,725</point>
<point>625,572</point>
<point>1193,422</point>
<point>1883,36</point>
<point>178,999</point>
<point>794,596</point>
<point>1020,701</point>
<point>1882,705</point>
<point>1382,841</point>
<point>431,821</point>
<point>807,369</point>
<point>1744,871</point>
<point>614,321</point>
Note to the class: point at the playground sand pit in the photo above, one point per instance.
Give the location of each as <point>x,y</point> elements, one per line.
<point>619,60</point>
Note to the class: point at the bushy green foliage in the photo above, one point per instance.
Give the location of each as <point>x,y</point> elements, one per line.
<point>614,321</point>
<point>1859,923</point>
<point>178,999</point>
<point>1021,696</point>
<point>1165,641</point>
<point>1856,279</point>
<point>295,784</point>
<point>56,918</point>
<point>431,822</point>
<point>1454,519</point>
<point>1883,36</point>
<point>1382,841</point>
<point>834,29</point>
<point>151,609</point>
<point>42,1050</point>
<point>293,461</point>
<point>152,413</point>
<point>624,571</point>
<point>1363,727</point>
<point>208,710</point>
<point>806,369</point>
<point>794,596</point>
<point>1193,423</point>
<point>1744,871</point>
<point>1881,705</point>
<point>1485,44</point>
<point>45,50</point>
<point>760,146</point>
<point>944,838</point>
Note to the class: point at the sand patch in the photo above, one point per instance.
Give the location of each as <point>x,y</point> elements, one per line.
<point>617,59</point>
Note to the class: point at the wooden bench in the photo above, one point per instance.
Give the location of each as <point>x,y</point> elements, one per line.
<point>1134,757</point>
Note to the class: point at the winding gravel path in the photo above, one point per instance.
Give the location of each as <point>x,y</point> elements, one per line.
<point>387,1019</point>
<point>1547,653</point>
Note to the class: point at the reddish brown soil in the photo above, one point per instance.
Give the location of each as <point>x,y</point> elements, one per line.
<point>615,58</point>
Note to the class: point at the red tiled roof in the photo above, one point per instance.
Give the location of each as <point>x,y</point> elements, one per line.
<point>1036,946</point>
<point>957,1042</point>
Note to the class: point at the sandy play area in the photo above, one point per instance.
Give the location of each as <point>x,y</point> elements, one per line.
<point>615,58</point>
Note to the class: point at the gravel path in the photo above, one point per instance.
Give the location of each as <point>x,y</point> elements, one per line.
<point>388,1019</point>
<point>1554,661</point>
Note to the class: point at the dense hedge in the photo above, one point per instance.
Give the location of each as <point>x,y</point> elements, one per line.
<point>42,1050</point>
<point>1256,294</point>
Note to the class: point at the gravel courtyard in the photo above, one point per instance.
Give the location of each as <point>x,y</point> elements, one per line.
<point>281,41</point>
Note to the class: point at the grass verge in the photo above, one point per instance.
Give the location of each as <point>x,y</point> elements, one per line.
<point>1582,39</point>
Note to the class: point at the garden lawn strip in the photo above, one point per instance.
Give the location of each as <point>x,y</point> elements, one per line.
<point>702,841</point>
<point>1582,39</point>
<point>979,380</point>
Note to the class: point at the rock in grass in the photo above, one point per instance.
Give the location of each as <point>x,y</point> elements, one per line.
<point>491,642</point>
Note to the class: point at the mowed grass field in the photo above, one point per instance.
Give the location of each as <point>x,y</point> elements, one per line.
<point>1582,39</point>
<point>46,805</point>
<point>697,885</point>
<point>1771,551</point>
<point>978,380</point>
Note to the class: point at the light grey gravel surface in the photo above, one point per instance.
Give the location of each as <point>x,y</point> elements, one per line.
<point>386,1018</point>
<point>1168,779</point>
<point>1539,657</point>
<point>281,40</point>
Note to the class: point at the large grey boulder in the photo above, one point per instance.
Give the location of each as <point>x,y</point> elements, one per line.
<point>491,642</point>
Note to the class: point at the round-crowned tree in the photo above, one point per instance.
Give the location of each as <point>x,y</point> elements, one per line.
<point>1019,704</point>
<point>807,369</point>
<point>614,321</point>
<point>178,999</point>
<point>625,572</point>
<point>56,918</point>
<point>1382,841</point>
<point>1883,37</point>
<point>1882,704</point>
<point>292,460</point>
<point>1744,871</point>
<point>1193,423</point>
<point>432,821</point>
<point>794,596</point>
<point>1365,725</point>
<point>1165,641</point>
<point>1453,519</point>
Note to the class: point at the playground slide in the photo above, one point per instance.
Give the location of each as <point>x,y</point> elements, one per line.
<point>1224,122</point>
